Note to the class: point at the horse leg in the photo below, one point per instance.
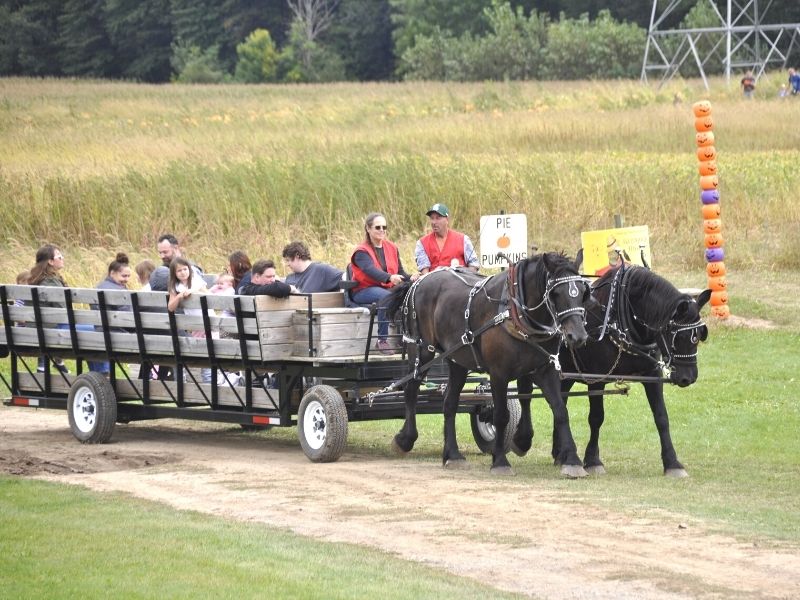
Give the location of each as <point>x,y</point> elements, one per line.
<point>404,440</point>
<point>591,458</point>
<point>567,455</point>
<point>523,437</point>
<point>451,455</point>
<point>500,464</point>
<point>566,386</point>
<point>655,396</point>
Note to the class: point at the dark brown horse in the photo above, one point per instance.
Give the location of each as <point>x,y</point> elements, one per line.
<point>507,325</point>
<point>641,326</point>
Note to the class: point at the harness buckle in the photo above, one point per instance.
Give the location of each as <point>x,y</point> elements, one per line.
<point>501,316</point>
<point>468,338</point>
<point>555,362</point>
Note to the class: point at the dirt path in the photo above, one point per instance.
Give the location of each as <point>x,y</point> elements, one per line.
<point>545,547</point>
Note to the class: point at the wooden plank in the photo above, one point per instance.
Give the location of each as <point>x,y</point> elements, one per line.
<point>55,316</point>
<point>275,352</point>
<point>127,343</point>
<point>336,331</point>
<point>125,391</point>
<point>123,297</point>
<point>300,301</point>
<point>329,349</point>
<point>275,318</point>
<point>277,335</point>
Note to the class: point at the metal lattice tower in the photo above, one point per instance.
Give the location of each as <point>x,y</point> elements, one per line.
<point>742,40</point>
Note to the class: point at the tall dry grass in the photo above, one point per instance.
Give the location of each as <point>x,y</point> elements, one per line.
<point>98,166</point>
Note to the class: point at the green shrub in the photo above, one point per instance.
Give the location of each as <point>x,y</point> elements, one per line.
<point>258,58</point>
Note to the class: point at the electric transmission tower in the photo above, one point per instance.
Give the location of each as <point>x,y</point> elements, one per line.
<point>743,39</point>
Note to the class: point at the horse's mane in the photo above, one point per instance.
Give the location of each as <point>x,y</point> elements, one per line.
<point>653,298</point>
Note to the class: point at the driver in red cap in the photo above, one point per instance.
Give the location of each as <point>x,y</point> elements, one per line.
<point>444,247</point>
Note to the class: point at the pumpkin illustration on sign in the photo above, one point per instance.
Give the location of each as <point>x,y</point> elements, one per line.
<point>503,241</point>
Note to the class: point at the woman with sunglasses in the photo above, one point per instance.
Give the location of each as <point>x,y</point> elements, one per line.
<point>377,268</point>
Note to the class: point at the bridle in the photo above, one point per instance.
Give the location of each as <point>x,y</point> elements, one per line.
<point>521,317</point>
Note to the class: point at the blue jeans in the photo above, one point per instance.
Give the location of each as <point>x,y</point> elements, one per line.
<point>369,296</point>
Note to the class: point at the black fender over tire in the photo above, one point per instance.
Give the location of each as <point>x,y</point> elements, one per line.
<point>322,424</point>
<point>483,431</point>
<point>92,408</point>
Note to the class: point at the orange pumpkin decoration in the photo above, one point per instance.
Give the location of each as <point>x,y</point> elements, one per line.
<point>703,124</point>
<point>708,167</point>
<point>714,240</point>
<point>711,211</point>
<point>706,153</point>
<point>718,284</point>
<point>723,311</point>
<point>701,108</point>
<point>712,225</point>
<point>704,138</point>
<point>715,269</point>
<point>709,182</point>
<point>719,298</point>
<point>503,241</point>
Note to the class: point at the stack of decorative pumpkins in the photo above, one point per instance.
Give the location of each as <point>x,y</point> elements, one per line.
<point>712,224</point>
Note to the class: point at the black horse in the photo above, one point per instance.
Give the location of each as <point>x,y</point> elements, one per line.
<point>641,325</point>
<point>508,325</point>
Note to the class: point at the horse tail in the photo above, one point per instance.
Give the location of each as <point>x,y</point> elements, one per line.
<point>394,301</point>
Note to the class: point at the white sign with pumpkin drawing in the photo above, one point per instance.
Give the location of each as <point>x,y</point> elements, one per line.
<point>503,240</point>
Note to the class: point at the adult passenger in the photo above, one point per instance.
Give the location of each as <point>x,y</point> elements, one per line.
<point>169,249</point>
<point>444,247</point>
<point>119,274</point>
<point>264,282</point>
<point>376,269</point>
<point>239,266</point>
<point>307,276</point>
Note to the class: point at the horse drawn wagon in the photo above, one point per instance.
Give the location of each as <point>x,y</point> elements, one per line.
<point>257,361</point>
<point>305,360</point>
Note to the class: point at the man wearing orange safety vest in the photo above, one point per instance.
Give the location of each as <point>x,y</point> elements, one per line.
<point>444,247</point>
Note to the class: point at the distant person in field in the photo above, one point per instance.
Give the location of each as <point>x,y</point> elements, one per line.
<point>169,249</point>
<point>239,266</point>
<point>748,84</point>
<point>377,268</point>
<point>307,276</point>
<point>444,247</point>
<point>144,270</point>
<point>794,82</point>
<point>264,282</point>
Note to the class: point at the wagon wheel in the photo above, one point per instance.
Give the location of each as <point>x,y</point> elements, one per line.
<point>92,408</point>
<point>322,424</point>
<point>483,429</point>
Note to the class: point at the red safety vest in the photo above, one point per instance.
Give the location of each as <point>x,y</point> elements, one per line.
<point>453,248</point>
<point>392,257</point>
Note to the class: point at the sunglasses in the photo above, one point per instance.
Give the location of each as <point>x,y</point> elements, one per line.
<point>383,227</point>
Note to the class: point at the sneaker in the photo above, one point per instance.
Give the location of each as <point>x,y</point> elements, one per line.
<point>384,347</point>
<point>62,368</point>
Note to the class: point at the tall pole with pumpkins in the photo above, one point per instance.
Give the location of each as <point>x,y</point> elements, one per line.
<point>712,222</point>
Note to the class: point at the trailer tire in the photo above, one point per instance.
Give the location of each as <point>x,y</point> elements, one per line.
<point>484,432</point>
<point>322,424</point>
<point>92,408</point>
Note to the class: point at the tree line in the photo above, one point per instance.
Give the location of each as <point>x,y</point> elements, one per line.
<point>333,40</point>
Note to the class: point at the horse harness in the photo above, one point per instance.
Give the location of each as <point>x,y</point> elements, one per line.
<point>623,333</point>
<point>512,313</point>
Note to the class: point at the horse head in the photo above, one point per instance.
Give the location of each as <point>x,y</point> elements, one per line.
<point>563,293</point>
<point>683,334</point>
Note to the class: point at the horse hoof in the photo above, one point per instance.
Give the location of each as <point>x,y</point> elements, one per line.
<point>397,449</point>
<point>676,473</point>
<point>596,470</point>
<point>456,464</point>
<point>573,471</point>
<point>505,471</point>
<point>517,450</point>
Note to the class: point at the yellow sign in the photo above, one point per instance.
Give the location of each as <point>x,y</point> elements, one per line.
<point>601,249</point>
